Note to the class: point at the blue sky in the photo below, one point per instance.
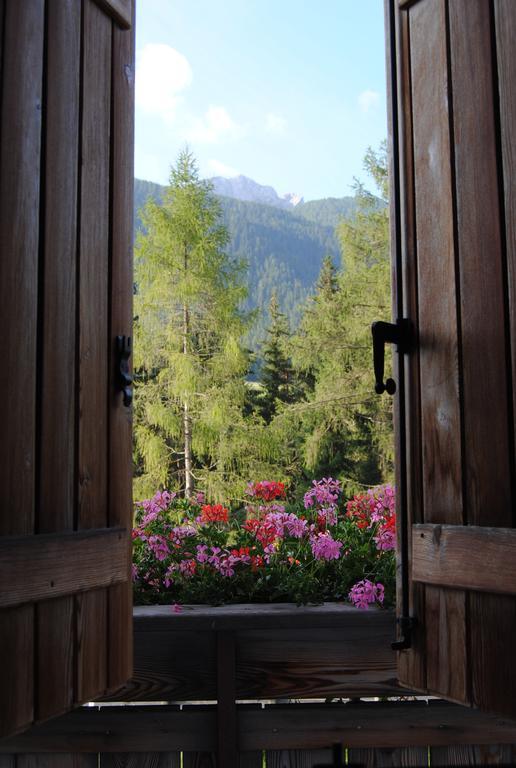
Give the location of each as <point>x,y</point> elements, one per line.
<point>288,92</point>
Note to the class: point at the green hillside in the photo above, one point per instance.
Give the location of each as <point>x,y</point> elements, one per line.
<point>283,248</point>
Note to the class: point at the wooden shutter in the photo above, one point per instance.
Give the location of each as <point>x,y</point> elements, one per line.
<point>66,183</point>
<point>452,67</point>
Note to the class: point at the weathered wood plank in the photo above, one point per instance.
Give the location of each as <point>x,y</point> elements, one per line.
<point>411,663</point>
<point>21,92</point>
<point>298,758</point>
<point>389,725</point>
<point>487,446</point>
<point>92,626</point>
<point>199,760</point>
<point>438,332</point>
<point>121,280</point>
<point>414,757</point>
<point>465,557</point>
<point>156,618</point>
<point>120,10</point>
<point>315,662</point>
<point>456,755</point>
<point>138,760</point>
<point>298,662</point>
<point>32,568</point>
<point>505,30</point>
<point>226,700</point>
<point>57,761</point>
<point>55,650</point>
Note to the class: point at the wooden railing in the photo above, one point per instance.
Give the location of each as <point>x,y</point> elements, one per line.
<point>257,653</point>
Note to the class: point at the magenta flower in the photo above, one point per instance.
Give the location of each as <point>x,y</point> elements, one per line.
<point>325,492</point>
<point>364,593</point>
<point>296,527</point>
<point>385,540</point>
<point>202,553</point>
<point>324,547</point>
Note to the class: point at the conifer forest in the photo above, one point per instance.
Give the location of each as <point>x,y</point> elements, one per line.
<point>245,368</point>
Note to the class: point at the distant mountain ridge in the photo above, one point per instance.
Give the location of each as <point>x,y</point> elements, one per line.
<point>283,245</point>
<point>244,188</point>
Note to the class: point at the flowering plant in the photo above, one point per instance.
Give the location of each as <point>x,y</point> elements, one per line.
<point>267,550</point>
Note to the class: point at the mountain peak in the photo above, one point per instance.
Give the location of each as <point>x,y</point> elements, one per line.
<point>244,188</point>
<point>293,198</point>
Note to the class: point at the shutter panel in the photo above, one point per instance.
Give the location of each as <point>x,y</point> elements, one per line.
<point>453,121</point>
<point>66,185</point>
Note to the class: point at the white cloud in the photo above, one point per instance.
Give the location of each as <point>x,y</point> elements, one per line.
<point>368,100</point>
<point>162,73</point>
<point>221,169</point>
<point>215,126</point>
<point>275,124</point>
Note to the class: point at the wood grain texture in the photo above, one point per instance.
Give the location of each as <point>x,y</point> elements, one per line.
<point>55,629</point>
<point>57,761</point>
<point>33,568</point>
<point>411,757</point>
<point>137,760</point>
<point>16,677</point>
<point>456,755</point>
<point>55,649</point>
<point>120,10</point>
<point>387,725</point>
<point>19,244</point>
<point>227,729</point>
<point>299,662</point>
<point>465,557</point>
<point>315,662</point>
<point>199,760</point>
<point>248,616</point>
<point>438,328</point>
<point>487,446</point>
<point>56,493</point>
<point>505,30</point>
<point>121,282</point>
<point>20,130</point>
<point>411,663</point>
<point>209,760</point>
<point>92,627</point>
<point>298,758</point>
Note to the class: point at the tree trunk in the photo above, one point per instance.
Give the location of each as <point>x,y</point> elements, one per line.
<point>187,425</point>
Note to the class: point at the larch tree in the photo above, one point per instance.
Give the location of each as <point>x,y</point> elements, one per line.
<point>189,359</point>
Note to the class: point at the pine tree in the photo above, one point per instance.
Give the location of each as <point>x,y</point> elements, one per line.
<point>277,377</point>
<point>345,429</point>
<point>191,365</point>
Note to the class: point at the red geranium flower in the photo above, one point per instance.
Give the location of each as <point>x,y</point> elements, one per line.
<point>215,513</point>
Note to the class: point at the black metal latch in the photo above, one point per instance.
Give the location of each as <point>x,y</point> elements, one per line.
<point>398,333</point>
<point>125,380</point>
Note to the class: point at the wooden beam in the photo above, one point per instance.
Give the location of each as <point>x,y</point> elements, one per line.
<point>33,568</point>
<point>465,557</point>
<point>292,726</point>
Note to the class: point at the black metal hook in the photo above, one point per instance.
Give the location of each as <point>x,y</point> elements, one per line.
<point>398,333</point>
<point>125,380</point>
